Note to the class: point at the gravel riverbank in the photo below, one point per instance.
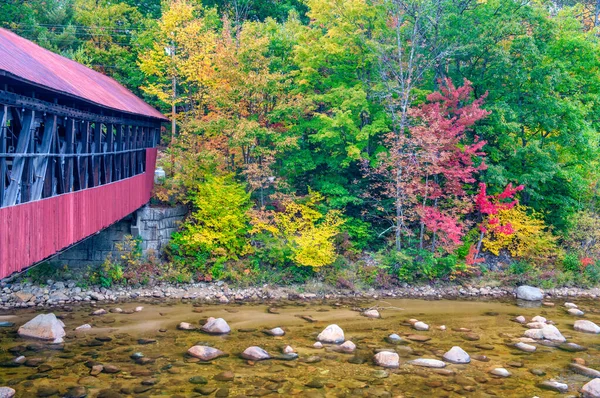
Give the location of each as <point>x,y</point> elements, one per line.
<point>25,294</point>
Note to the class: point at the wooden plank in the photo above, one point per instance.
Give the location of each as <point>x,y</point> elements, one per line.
<point>109,159</point>
<point>16,175</point>
<point>40,164</point>
<point>118,156</point>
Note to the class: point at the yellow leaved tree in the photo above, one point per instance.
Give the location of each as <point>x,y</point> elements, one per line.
<point>308,233</point>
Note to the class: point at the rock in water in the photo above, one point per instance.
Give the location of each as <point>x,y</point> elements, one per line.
<point>348,347</point>
<point>44,327</point>
<point>548,332</point>
<point>529,293</point>
<point>575,312</point>
<point>275,332</point>
<point>553,385</point>
<point>185,326</point>
<point>428,363</point>
<point>7,392</point>
<point>387,359</point>
<point>591,389</point>
<point>501,372</point>
<point>372,314</point>
<point>85,326</point>
<point>332,334</point>
<point>584,370</point>
<point>586,327</point>
<point>421,326</point>
<point>216,326</point>
<point>255,354</point>
<point>205,353</point>
<point>570,305</point>
<point>457,355</point>
<point>520,319</point>
<point>525,347</point>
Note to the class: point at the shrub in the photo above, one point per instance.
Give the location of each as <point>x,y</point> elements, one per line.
<point>571,262</point>
<point>307,235</point>
<point>530,240</point>
<point>583,237</point>
<point>218,226</point>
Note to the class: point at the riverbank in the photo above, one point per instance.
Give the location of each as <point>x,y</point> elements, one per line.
<point>23,294</point>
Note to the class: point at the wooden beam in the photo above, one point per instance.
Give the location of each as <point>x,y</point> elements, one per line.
<point>96,159</point>
<point>3,139</point>
<point>40,164</point>
<point>108,162</point>
<point>16,174</point>
<point>127,155</point>
<point>69,148</point>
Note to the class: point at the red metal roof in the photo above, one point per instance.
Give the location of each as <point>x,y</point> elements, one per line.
<point>28,61</point>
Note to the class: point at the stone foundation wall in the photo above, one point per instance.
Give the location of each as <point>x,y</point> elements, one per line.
<point>154,225</point>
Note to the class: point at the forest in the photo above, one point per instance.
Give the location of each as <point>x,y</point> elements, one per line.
<point>357,142</point>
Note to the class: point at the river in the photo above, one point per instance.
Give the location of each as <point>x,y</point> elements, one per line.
<point>485,330</point>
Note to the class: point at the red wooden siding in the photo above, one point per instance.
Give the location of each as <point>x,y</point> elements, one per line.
<point>33,231</point>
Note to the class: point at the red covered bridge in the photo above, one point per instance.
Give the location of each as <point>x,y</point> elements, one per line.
<point>77,152</point>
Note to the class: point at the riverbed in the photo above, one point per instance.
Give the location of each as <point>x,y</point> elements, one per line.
<point>485,330</point>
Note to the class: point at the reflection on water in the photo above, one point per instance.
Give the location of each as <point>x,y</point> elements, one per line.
<point>166,371</point>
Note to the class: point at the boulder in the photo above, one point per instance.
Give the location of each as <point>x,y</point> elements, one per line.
<point>395,339</point>
<point>570,305</point>
<point>347,347</point>
<point>584,370</point>
<point>216,326</point>
<point>500,372</point>
<point>428,363</point>
<point>318,345</point>
<point>7,392</point>
<point>539,318</point>
<point>371,314</point>
<point>332,334</point>
<point>101,311</point>
<point>255,354</point>
<point>22,297</point>
<point>44,327</point>
<point>553,385</point>
<point>387,359</point>
<point>535,325</point>
<point>525,347</point>
<point>288,350</point>
<point>586,327</point>
<point>205,353</point>
<point>186,326</point>
<point>548,332</point>
<point>529,293</point>
<point>520,319</point>
<point>575,312</point>
<point>421,326</point>
<point>275,332</point>
<point>457,355</point>
<point>591,389</point>
<point>85,326</point>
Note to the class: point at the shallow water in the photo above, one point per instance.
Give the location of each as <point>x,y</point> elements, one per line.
<point>490,321</point>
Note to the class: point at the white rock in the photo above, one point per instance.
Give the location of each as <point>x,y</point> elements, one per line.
<point>332,334</point>
<point>520,319</point>
<point>44,327</point>
<point>539,318</point>
<point>205,353</point>
<point>442,327</point>
<point>575,312</point>
<point>371,314</point>
<point>186,326</point>
<point>591,389</point>
<point>535,334</point>
<point>255,353</point>
<point>554,385</point>
<point>216,326</point>
<point>457,355</point>
<point>525,347</point>
<point>85,326</point>
<point>500,372</point>
<point>288,350</point>
<point>586,326</point>
<point>318,345</point>
<point>139,309</point>
<point>551,333</point>
<point>101,311</point>
<point>529,293</point>
<point>422,326</point>
<point>7,392</point>
<point>387,359</point>
<point>275,332</point>
<point>347,347</point>
<point>428,363</point>
<point>570,305</point>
